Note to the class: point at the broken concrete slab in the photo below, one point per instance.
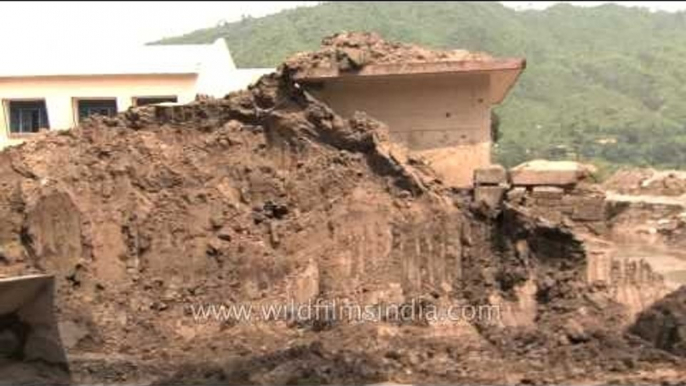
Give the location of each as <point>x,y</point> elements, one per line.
<point>552,173</point>
<point>548,192</point>
<point>490,175</point>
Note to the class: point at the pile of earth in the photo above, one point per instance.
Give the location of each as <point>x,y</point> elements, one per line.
<point>266,197</point>
<point>354,50</point>
<point>647,182</point>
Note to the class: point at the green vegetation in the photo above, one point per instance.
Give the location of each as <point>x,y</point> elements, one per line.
<point>603,84</point>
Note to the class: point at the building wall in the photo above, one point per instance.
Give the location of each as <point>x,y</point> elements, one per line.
<point>444,118</point>
<point>61,92</point>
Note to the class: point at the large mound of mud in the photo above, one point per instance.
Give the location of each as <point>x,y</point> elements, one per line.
<point>267,197</point>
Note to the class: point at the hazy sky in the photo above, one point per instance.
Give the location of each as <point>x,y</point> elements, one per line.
<point>50,26</point>
<point>669,6</point>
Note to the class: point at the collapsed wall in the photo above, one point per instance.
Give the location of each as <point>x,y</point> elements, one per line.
<point>268,196</point>
<point>436,103</point>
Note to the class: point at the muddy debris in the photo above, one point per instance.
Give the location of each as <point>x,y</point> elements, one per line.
<point>268,196</point>
<point>664,324</point>
<point>351,51</point>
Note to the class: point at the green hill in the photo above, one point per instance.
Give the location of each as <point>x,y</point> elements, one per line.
<point>603,84</point>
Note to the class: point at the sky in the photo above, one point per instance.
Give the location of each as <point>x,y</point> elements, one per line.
<point>49,27</point>
<point>668,6</point>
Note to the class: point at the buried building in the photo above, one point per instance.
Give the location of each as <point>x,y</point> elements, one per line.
<point>439,107</point>
<point>267,196</point>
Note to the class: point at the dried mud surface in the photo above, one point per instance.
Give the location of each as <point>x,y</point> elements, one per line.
<point>265,196</point>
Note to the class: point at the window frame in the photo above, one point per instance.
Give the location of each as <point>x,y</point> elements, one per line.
<point>7,109</point>
<point>76,101</point>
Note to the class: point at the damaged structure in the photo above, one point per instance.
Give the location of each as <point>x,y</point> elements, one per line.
<point>269,195</point>
<point>438,106</point>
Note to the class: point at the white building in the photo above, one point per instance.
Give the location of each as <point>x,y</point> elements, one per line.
<point>57,93</point>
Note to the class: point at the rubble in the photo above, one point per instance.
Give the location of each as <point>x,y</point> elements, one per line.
<point>664,324</point>
<point>585,205</point>
<point>668,183</point>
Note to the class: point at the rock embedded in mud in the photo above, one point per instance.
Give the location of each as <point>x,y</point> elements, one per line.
<point>575,332</point>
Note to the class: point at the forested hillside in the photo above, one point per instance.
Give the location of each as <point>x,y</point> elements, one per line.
<point>603,84</point>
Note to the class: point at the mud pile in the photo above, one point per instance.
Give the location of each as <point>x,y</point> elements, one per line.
<point>353,50</point>
<point>647,182</point>
<point>266,197</point>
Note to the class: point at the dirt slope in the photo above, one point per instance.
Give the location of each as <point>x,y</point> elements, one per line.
<point>267,196</point>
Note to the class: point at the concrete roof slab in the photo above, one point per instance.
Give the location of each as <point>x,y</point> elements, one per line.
<point>503,72</point>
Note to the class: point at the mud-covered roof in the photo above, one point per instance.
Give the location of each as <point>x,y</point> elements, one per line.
<point>363,54</point>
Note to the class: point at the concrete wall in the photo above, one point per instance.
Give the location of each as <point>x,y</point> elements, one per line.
<point>443,117</point>
<point>61,92</point>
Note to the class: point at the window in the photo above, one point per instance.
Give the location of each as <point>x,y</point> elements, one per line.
<point>88,107</point>
<point>144,101</point>
<point>28,116</point>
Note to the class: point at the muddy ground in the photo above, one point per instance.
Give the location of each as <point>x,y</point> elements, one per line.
<point>267,196</point>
